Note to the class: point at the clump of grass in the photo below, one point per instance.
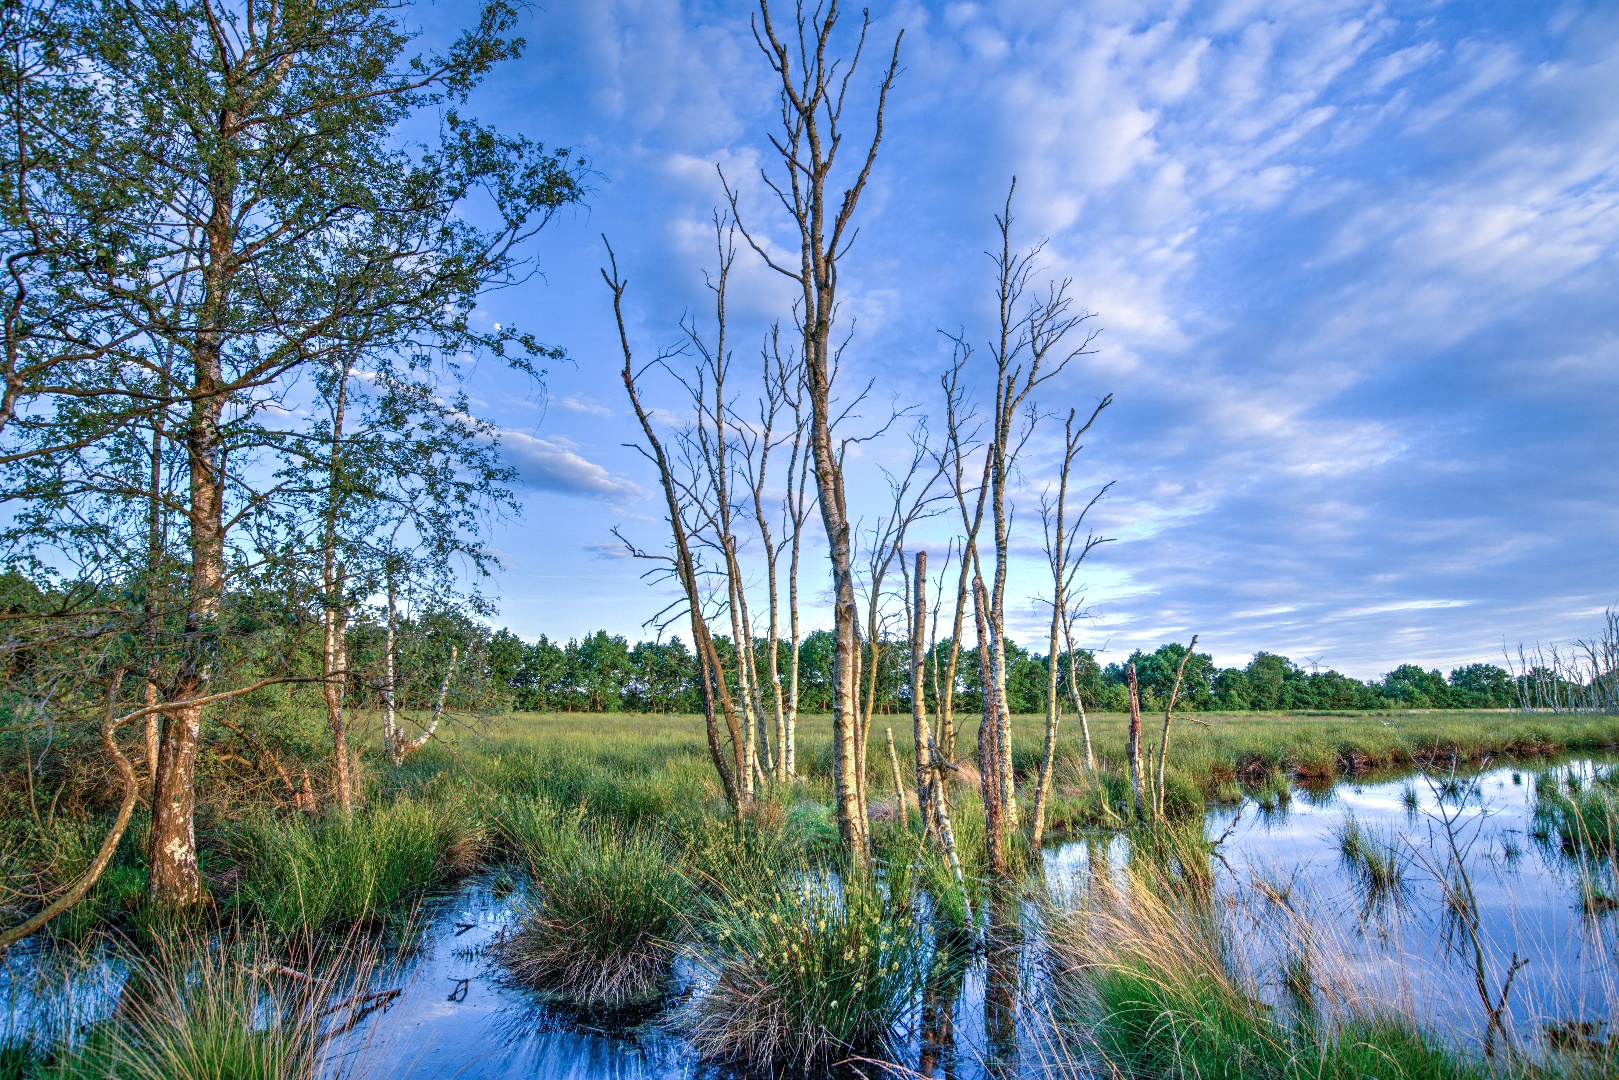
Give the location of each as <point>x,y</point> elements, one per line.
<point>804,972</point>
<point>1583,818</point>
<point>206,1011</point>
<point>1376,860</point>
<point>370,867</point>
<point>1274,792</point>
<point>606,917</point>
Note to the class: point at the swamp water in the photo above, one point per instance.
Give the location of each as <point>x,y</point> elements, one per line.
<point>1287,891</point>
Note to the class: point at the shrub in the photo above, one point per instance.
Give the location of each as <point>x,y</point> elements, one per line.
<point>803,972</point>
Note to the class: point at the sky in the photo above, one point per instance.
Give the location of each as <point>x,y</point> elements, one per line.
<point>1353,264</point>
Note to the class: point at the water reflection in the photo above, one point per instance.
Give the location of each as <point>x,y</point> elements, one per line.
<point>1306,920</point>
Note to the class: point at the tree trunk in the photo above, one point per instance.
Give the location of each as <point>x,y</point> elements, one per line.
<point>921,736</point>
<point>1042,790</point>
<point>900,809</point>
<point>988,773</point>
<point>175,880</point>
<point>1133,748</point>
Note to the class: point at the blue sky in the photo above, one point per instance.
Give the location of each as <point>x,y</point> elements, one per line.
<point>1354,264</point>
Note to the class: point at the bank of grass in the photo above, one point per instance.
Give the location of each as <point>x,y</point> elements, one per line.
<point>804,970</point>
<point>328,874</point>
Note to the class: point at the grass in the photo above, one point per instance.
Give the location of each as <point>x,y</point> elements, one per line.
<point>631,856</point>
<point>336,872</point>
<point>803,971</point>
<point>1376,861</point>
<point>1583,817</point>
<point>606,915</point>
<point>1144,982</point>
<point>196,1009</point>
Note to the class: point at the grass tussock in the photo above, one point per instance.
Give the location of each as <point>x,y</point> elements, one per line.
<point>1376,860</point>
<point>605,917</point>
<point>1580,815</point>
<point>206,1010</point>
<point>804,972</point>
<point>323,875</point>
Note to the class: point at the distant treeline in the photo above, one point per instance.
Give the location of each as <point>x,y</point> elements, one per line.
<point>605,673</point>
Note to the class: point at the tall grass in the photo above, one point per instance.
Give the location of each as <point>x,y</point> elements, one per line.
<point>804,972</point>
<point>1376,860</point>
<point>1148,987</point>
<point>300,876</point>
<point>605,916</point>
<point>199,1009</point>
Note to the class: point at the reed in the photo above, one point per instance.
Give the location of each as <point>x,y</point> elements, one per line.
<point>202,1009</point>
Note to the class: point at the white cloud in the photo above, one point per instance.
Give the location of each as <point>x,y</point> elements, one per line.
<point>555,464</point>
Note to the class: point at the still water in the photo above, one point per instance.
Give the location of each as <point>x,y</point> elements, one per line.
<point>1286,888</point>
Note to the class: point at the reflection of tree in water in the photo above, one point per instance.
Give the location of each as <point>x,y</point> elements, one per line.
<point>1002,938</point>
<point>942,990</point>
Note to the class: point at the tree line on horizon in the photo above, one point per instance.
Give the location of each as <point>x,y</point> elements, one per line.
<point>604,672</point>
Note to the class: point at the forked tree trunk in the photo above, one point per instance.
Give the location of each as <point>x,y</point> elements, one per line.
<point>1169,715</point>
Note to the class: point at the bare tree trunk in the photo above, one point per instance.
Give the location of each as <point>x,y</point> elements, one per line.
<point>1169,714</point>
<point>988,773</point>
<point>1042,789</point>
<point>1073,686</point>
<point>716,696</point>
<point>922,737</point>
<point>946,831</point>
<point>900,808</point>
<point>1133,747</point>
<point>811,97</point>
<point>408,746</point>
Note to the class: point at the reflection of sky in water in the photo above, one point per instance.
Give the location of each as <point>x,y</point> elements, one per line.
<point>1398,952</point>
<point>1405,951</point>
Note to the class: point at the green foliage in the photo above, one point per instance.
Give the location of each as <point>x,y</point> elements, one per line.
<point>312,876</point>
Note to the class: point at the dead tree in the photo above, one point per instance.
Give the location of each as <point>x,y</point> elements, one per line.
<point>958,444</point>
<point>1073,688</point>
<point>811,93</point>
<point>1064,554</point>
<point>1034,343</point>
<point>710,450</point>
<point>911,498</point>
<point>1169,715</point>
<point>922,735</point>
<point>717,702</point>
